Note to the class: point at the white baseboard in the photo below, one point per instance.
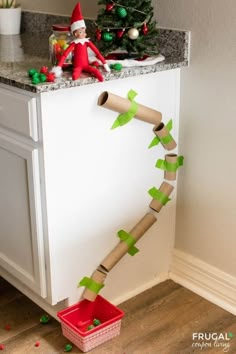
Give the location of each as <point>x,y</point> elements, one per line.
<point>205,280</point>
<point>159,279</point>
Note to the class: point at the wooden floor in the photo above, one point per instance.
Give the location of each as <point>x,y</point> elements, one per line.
<point>159,321</point>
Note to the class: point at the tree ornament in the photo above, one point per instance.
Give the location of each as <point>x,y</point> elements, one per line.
<point>109,6</point>
<point>121,12</point>
<point>145,29</point>
<point>98,34</point>
<point>120,33</point>
<point>133,33</point>
<point>107,37</point>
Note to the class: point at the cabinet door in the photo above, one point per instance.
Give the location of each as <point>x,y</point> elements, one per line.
<point>21,232</point>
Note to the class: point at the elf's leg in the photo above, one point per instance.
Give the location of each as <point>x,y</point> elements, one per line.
<point>76,72</point>
<point>94,71</point>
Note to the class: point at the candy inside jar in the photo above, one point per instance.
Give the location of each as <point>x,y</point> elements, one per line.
<point>59,41</point>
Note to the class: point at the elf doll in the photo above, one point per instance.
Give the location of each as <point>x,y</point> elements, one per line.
<point>80,46</point>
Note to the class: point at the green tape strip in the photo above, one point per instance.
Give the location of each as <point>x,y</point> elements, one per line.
<point>129,240</point>
<point>159,195</point>
<point>166,139</point>
<point>126,117</point>
<point>91,285</point>
<point>170,166</point>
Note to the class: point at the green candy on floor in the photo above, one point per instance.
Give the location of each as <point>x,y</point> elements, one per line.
<point>68,348</point>
<point>44,319</point>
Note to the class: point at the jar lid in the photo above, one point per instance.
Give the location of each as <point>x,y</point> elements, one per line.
<point>61,28</point>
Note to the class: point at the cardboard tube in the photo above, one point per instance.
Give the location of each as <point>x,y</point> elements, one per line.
<point>165,188</point>
<point>162,132</point>
<point>121,249</point>
<point>99,277</point>
<point>172,158</point>
<point>122,105</point>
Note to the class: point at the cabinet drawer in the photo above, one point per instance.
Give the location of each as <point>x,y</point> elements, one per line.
<point>18,113</point>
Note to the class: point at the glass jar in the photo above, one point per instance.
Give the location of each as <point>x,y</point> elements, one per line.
<point>59,41</point>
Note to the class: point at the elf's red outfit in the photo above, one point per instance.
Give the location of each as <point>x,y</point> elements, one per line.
<point>80,50</point>
<point>80,59</point>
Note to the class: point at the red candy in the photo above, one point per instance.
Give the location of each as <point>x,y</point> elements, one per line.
<point>50,77</point>
<point>1,347</point>
<point>37,344</point>
<point>44,70</point>
<point>7,327</point>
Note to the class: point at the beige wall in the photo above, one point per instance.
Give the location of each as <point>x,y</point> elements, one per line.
<point>62,7</point>
<point>206,217</point>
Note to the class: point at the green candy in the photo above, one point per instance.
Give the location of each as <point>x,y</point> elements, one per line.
<point>96,322</point>
<point>44,319</point>
<point>36,80</point>
<point>117,66</point>
<point>31,72</point>
<point>90,327</point>
<point>42,77</point>
<point>68,348</point>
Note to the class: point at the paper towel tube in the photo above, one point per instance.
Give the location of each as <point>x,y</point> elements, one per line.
<point>99,277</point>
<point>122,105</point>
<point>172,158</point>
<point>121,249</point>
<point>162,132</point>
<point>165,188</point>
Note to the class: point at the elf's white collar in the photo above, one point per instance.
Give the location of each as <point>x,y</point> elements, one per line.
<point>81,40</point>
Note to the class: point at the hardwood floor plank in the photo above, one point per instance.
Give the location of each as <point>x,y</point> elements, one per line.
<point>20,314</point>
<point>7,293</point>
<point>161,320</point>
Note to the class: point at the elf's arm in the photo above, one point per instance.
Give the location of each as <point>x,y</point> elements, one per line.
<point>57,70</point>
<point>66,53</point>
<point>98,55</point>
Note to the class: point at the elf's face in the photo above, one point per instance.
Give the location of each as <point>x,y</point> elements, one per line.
<point>80,33</point>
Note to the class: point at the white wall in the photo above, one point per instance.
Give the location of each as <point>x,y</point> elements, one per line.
<point>206,217</point>
<point>89,7</point>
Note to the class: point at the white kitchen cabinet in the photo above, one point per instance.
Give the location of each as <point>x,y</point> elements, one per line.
<point>21,236</point>
<point>86,182</point>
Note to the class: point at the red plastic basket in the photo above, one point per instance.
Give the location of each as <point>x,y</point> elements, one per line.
<point>76,319</point>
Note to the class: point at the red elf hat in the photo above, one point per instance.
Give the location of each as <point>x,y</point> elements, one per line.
<point>77,20</point>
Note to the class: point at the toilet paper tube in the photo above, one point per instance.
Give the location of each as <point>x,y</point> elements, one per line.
<point>160,196</point>
<point>122,248</point>
<point>123,105</point>
<point>93,285</point>
<point>170,165</point>
<point>163,136</point>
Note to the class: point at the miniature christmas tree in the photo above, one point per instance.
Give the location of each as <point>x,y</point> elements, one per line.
<point>127,25</point>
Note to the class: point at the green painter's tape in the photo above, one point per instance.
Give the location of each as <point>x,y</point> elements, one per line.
<point>129,240</point>
<point>159,195</point>
<point>170,166</point>
<point>126,117</point>
<point>166,139</point>
<point>91,285</point>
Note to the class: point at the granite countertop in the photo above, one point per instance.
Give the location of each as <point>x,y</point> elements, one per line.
<point>28,50</point>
